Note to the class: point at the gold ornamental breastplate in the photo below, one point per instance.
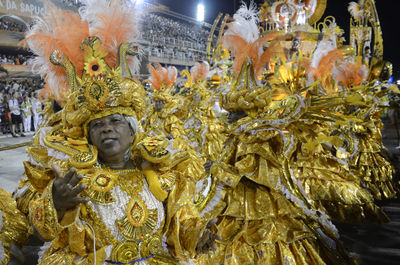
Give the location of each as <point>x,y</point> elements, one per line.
<point>129,211</point>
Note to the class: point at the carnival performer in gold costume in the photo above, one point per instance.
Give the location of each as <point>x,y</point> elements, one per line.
<point>369,158</point>
<point>13,229</point>
<point>268,218</point>
<point>286,144</point>
<point>320,162</point>
<point>99,190</point>
<point>99,195</point>
<point>202,126</point>
<point>165,118</point>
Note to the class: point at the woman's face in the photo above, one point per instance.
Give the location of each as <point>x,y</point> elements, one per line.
<point>112,136</point>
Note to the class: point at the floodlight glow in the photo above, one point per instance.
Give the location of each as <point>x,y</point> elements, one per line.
<point>200,12</point>
<point>398,82</point>
<point>138,2</point>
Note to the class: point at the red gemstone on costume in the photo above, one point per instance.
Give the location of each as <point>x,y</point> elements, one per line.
<point>102,180</point>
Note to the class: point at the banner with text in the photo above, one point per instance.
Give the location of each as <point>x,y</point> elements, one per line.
<point>25,8</point>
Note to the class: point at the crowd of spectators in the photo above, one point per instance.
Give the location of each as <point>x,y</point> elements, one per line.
<point>19,98</point>
<point>18,59</point>
<point>76,3</point>
<point>12,26</point>
<point>169,38</point>
<point>178,53</point>
<point>164,30</point>
<point>173,39</point>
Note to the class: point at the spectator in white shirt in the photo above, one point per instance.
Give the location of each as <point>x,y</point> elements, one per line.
<point>16,118</point>
<point>36,110</point>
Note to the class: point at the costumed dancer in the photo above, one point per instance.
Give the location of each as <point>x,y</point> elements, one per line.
<point>319,162</point>
<point>202,126</point>
<point>369,158</point>
<point>268,218</point>
<point>164,118</point>
<point>98,199</point>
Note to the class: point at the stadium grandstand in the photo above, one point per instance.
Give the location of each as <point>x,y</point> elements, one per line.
<point>166,37</point>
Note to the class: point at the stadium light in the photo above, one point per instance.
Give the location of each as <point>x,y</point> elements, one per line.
<point>138,2</point>
<point>200,12</point>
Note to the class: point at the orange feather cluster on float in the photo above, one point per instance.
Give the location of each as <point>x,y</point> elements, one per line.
<point>253,51</point>
<point>325,66</point>
<point>350,74</point>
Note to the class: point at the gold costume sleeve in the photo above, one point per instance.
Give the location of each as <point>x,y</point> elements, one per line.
<point>184,223</point>
<point>44,217</point>
<point>13,226</point>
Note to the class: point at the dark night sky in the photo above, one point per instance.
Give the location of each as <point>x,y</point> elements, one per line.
<point>337,8</point>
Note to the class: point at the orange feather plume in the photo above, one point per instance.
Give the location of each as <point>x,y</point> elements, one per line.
<point>161,78</point>
<point>350,74</point>
<point>275,49</point>
<point>327,63</point>
<point>242,50</point>
<point>116,28</point>
<point>59,30</point>
<point>114,22</point>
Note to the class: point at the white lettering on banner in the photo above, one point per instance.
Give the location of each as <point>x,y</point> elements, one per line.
<point>11,5</point>
<point>20,8</point>
<point>32,9</point>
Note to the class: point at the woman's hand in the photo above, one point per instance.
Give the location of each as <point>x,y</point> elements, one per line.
<point>65,190</point>
<point>207,239</point>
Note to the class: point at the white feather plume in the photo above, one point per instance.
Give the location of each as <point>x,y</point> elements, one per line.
<point>323,48</point>
<point>245,23</point>
<point>355,10</point>
<point>91,9</point>
<point>172,72</point>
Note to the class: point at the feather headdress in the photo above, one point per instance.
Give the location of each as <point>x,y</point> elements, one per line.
<point>113,22</point>
<point>243,39</point>
<point>242,35</point>
<point>162,78</point>
<point>57,30</point>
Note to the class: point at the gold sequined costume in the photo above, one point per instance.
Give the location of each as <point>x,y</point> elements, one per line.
<point>141,215</point>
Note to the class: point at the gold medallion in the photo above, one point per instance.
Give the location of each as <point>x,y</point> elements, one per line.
<point>125,252</point>
<point>100,186</point>
<point>137,212</point>
<point>152,245</point>
<point>139,221</point>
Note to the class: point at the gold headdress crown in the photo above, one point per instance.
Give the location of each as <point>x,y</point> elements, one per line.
<point>101,90</point>
<point>89,76</point>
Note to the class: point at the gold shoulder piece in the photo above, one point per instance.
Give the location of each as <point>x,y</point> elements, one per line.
<point>153,149</point>
<point>81,153</point>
